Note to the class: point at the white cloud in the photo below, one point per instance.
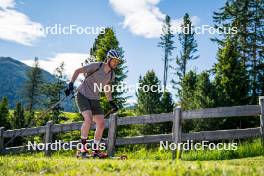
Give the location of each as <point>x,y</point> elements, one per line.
<point>143,17</point>
<point>16,26</point>
<point>7,4</point>
<point>72,61</point>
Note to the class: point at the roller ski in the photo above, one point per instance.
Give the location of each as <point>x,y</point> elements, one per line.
<point>83,153</point>
<point>92,155</point>
<point>122,157</point>
<point>102,155</point>
<point>97,154</point>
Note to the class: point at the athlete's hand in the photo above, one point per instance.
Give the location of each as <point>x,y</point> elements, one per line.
<point>113,106</point>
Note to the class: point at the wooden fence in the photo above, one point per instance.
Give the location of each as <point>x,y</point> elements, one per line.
<point>177,117</point>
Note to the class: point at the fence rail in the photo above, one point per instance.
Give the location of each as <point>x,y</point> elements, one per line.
<point>176,136</point>
<point>234,111</point>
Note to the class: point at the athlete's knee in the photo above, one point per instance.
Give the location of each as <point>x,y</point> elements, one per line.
<point>100,124</point>
<point>88,120</point>
<point>87,117</point>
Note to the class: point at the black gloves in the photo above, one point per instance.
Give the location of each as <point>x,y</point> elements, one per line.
<point>113,106</point>
<point>69,89</point>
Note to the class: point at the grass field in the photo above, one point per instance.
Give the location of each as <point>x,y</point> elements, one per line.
<point>38,165</point>
<point>247,148</point>
<point>248,160</point>
<point>141,161</point>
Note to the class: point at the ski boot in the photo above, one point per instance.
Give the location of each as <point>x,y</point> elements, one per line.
<point>83,153</point>
<point>99,154</point>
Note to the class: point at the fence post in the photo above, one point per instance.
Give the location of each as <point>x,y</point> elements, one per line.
<point>112,135</point>
<point>176,130</point>
<point>2,139</point>
<point>48,137</point>
<point>261,103</point>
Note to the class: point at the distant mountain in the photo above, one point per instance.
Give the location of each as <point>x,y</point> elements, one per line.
<point>13,77</point>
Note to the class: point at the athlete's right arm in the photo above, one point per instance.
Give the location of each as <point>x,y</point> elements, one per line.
<point>77,72</point>
<point>85,69</point>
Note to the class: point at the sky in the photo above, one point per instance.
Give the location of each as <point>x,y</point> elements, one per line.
<point>137,24</point>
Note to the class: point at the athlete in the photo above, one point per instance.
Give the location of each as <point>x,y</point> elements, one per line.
<point>88,94</point>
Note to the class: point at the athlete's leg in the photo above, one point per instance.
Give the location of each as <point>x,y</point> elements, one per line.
<point>87,115</point>
<point>100,125</point>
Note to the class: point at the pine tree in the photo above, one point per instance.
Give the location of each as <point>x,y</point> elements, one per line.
<point>18,121</point>
<point>204,91</point>
<point>204,97</point>
<point>148,102</point>
<point>54,92</point>
<point>102,44</point>
<point>167,44</point>
<point>188,85</point>
<point>260,77</point>
<point>187,100</point>
<point>32,88</point>
<point>245,16</point>
<point>198,92</point>
<point>18,118</point>
<point>167,105</point>
<point>234,14</point>
<point>255,44</point>
<point>231,80</point>
<point>167,102</point>
<point>4,114</point>
<point>188,49</point>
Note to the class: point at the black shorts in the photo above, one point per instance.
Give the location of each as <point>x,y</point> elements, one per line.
<point>84,103</point>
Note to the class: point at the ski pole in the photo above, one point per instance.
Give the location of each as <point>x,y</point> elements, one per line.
<point>41,116</point>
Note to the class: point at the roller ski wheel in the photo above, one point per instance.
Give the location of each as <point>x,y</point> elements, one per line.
<point>82,154</point>
<point>99,155</point>
<point>122,157</point>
